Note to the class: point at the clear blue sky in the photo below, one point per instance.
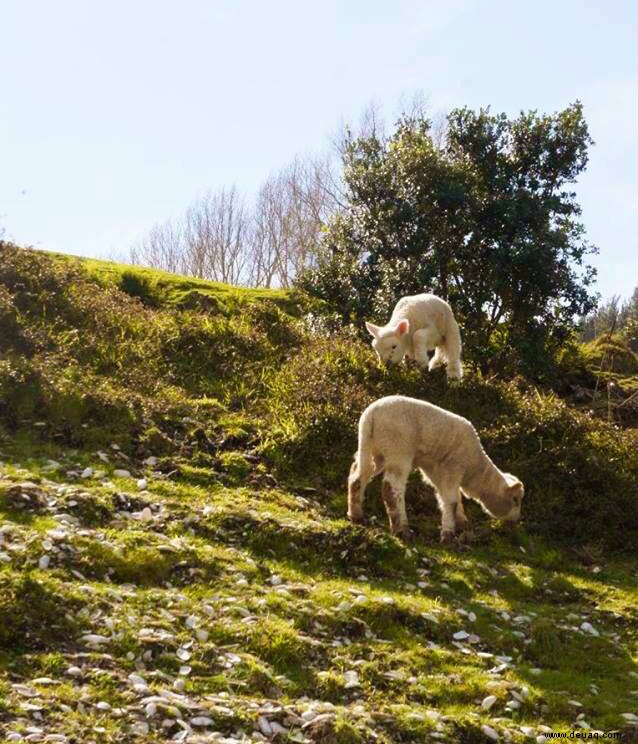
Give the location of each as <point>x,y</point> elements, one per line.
<point>116,115</point>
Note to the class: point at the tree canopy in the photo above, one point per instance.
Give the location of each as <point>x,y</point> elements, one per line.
<point>485,218</point>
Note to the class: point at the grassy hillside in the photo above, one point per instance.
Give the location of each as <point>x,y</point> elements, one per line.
<point>174,559</point>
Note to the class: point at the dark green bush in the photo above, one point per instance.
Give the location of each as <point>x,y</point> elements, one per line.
<point>581,475</point>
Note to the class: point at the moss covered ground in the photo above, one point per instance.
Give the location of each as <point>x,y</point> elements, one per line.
<point>175,563</point>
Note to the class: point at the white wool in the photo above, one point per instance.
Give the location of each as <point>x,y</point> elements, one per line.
<point>420,323</point>
<point>398,434</point>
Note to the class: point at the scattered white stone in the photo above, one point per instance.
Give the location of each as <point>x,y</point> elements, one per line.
<point>94,639</point>
<point>142,484</point>
<point>146,515</point>
<point>416,717</point>
<point>631,717</point>
<point>430,617</point>
<point>264,726</point>
<point>201,635</point>
<point>275,580</point>
<point>201,721</point>
<point>25,690</point>
<point>352,680</point>
<point>151,461</point>
<point>490,732</point>
<point>103,705</point>
<point>183,654</point>
<point>86,473</point>
<point>140,728</point>
<point>460,635</point>
<point>74,671</point>
<point>44,561</point>
<point>121,473</point>
<point>488,702</point>
<point>277,728</point>
<point>589,628</point>
<point>343,607</point>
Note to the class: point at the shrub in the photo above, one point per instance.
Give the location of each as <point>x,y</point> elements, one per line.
<point>97,366</point>
<point>611,354</point>
<point>105,361</point>
<point>581,475</point>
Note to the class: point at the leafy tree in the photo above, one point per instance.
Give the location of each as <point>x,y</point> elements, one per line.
<point>608,317</point>
<point>484,217</point>
<point>631,329</point>
<point>613,316</point>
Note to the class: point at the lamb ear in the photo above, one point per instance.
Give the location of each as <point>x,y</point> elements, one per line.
<point>516,489</point>
<point>402,327</point>
<point>373,329</point>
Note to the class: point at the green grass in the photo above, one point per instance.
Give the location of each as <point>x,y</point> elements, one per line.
<point>237,555</point>
<point>343,601</point>
<point>163,288</point>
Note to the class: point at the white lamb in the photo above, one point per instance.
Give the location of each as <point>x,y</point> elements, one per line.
<point>398,434</point>
<point>420,323</point>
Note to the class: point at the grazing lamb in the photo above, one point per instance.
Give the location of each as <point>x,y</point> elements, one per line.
<point>398,434</point>
<point>419,324</point>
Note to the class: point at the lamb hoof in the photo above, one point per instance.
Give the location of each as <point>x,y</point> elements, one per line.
<point>447,536</point>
